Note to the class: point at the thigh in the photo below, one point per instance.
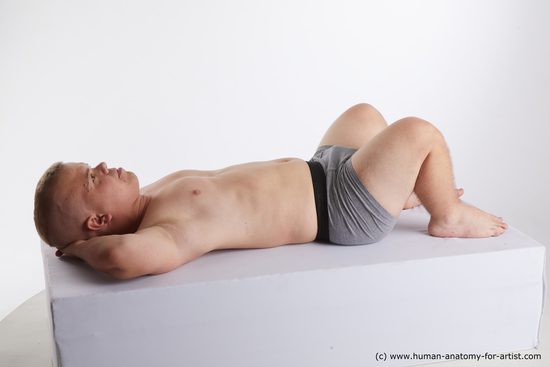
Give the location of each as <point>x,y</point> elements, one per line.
<point>355,127</point>
<point>356,217</point>
<point>388,165</point>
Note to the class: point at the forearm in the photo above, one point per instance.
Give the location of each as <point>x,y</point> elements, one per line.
<point>99,252</point>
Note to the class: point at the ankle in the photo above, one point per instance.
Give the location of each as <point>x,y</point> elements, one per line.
<point>448,213</point>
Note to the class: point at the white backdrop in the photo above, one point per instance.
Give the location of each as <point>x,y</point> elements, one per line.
<point>157,86</point>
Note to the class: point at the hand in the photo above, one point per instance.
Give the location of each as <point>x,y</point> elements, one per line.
<point>68,250</point>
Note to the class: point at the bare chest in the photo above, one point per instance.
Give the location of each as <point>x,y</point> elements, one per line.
<point>256,205</point>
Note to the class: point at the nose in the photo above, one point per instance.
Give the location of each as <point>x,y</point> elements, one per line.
<point>102,167</point>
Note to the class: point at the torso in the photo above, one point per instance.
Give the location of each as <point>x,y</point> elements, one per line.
<point>261,204</point>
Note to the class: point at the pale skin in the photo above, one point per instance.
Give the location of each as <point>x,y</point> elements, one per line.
<point>157,228</point>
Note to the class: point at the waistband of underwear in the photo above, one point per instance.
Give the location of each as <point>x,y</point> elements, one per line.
<point>319,180</point>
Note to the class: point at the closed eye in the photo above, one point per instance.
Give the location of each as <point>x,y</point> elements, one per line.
<point>89,174</point>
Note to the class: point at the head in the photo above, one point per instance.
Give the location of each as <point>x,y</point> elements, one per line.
<point>74,201</point>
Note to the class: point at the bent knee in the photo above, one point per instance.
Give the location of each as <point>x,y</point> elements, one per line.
<point>419,128</point>
<point>364,112</point>
<point>363,109</point>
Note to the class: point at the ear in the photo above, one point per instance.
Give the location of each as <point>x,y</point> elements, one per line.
<point>97,221</point>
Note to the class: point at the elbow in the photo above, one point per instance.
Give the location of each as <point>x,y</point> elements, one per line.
<point>121,274</point>
<point>115,262</point>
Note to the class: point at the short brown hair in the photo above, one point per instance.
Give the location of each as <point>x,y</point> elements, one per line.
<point>43,201</point>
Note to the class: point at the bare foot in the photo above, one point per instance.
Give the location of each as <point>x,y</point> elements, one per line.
<point>415,201</point>
<point>467,222</point>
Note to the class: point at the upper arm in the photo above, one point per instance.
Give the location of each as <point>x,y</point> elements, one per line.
<point>151,250</point>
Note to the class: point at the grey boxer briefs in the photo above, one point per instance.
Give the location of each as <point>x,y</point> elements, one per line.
<point>354,215</point>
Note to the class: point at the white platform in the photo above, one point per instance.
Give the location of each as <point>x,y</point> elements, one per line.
<point>25,341</point>
<point>311,304</point>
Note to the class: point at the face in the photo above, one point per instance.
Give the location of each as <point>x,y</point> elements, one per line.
<point>99,189</point>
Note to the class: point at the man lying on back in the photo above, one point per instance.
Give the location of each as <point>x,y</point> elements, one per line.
<point>351,192</point>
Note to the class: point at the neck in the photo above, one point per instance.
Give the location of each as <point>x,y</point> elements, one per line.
<point>142,204</point>
<point>138,212</point>
<point>129,222</point>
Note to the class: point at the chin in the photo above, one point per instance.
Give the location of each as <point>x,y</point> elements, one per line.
<point>132,178</point>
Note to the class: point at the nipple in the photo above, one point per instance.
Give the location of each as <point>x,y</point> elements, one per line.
<point>196,192</point>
